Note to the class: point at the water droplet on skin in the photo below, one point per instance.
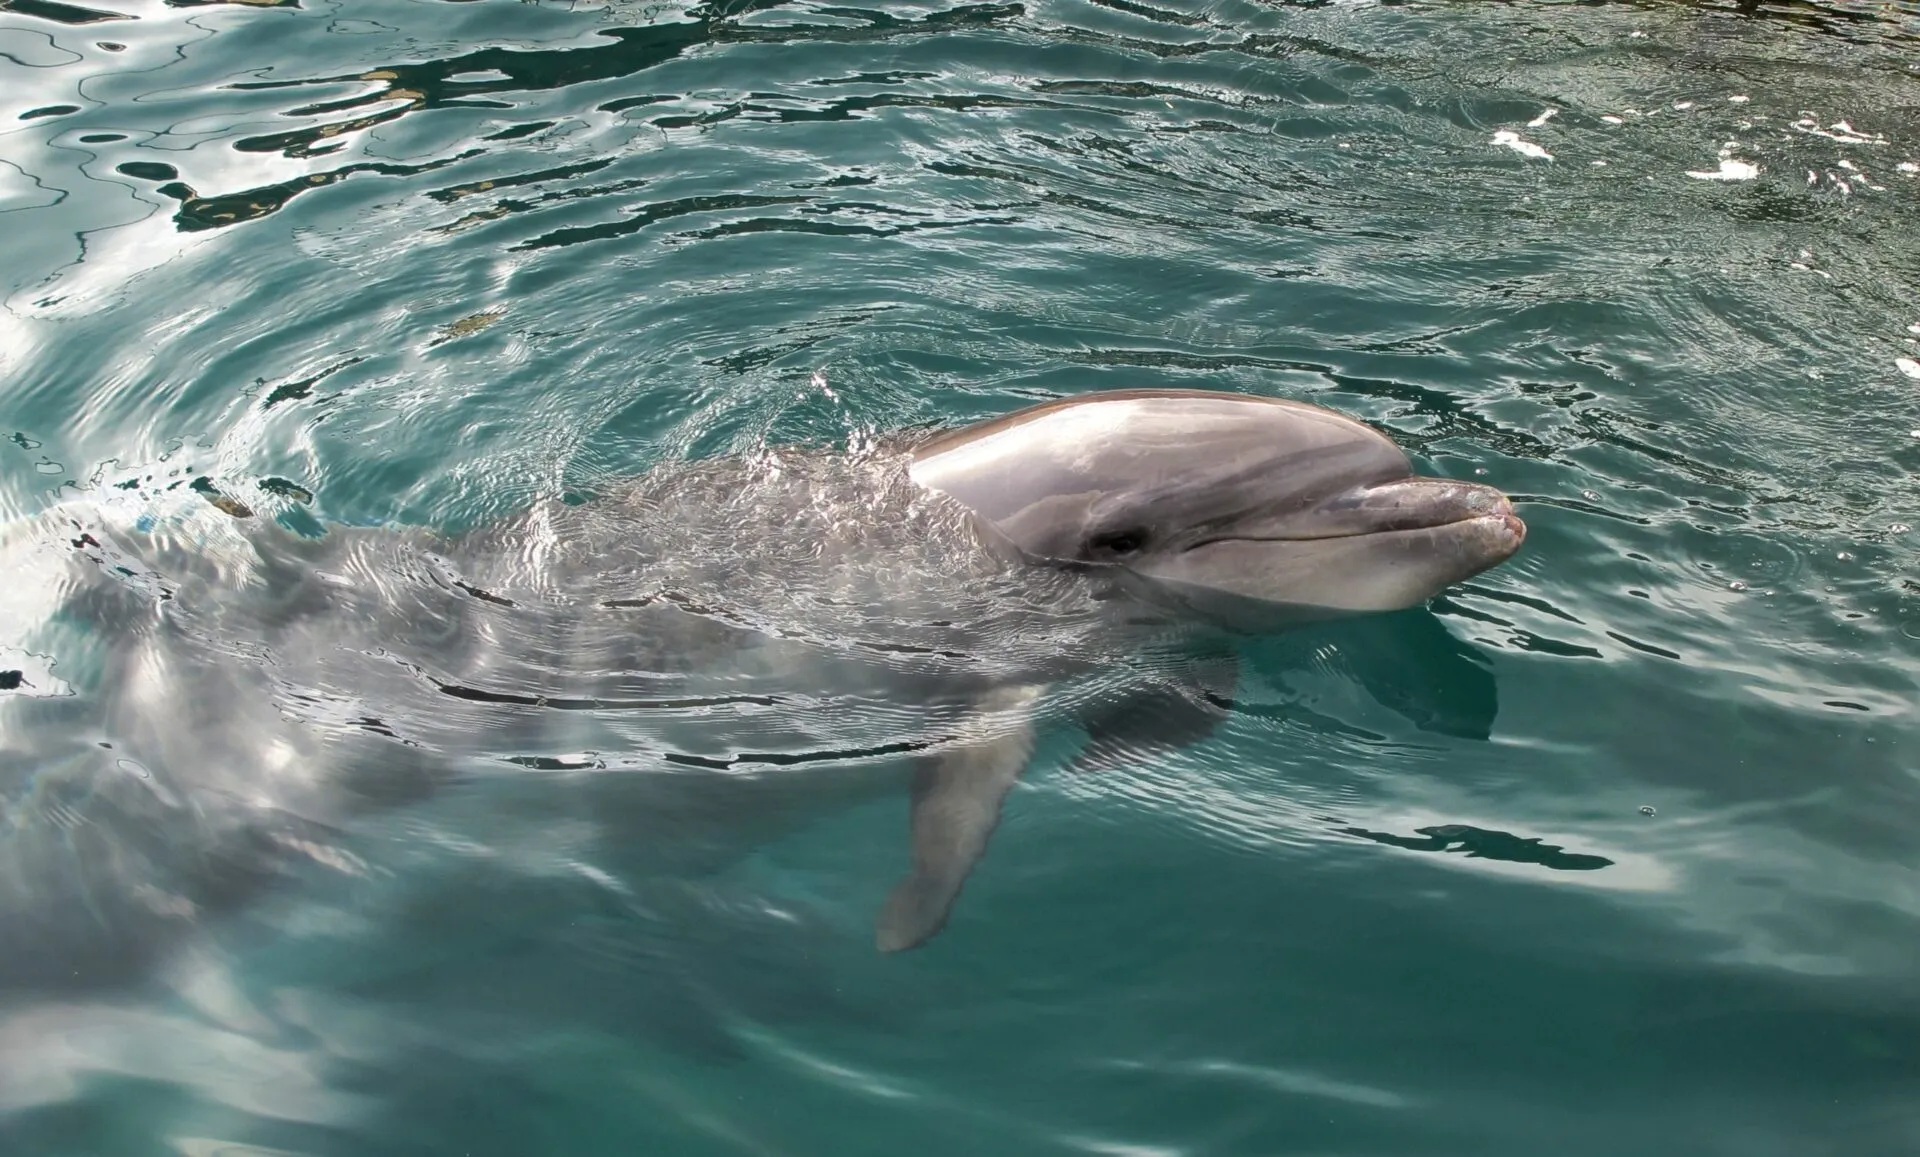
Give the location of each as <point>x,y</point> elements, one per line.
<point>1479,469</point>
<point>1647,810</point>
<point>1590,496</point>
<point>1845,556</point>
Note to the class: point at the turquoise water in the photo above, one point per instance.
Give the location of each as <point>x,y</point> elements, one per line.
<point>1613,850</point>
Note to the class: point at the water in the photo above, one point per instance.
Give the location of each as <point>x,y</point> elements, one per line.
<point>1650,268</point>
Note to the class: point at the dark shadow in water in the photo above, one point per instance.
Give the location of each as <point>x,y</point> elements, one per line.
<point>72,14</point>
<point>1483,844</point>
<point>1412,665</point>
<point>197,213</point>
<point>1409,663</point>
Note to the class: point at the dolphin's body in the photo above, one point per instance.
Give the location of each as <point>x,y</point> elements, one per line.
<point>244,695</point>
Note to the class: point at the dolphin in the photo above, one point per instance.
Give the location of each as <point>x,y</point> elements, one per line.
<point>704,643</point>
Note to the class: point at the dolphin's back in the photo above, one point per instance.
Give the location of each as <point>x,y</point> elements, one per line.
<point>238,698</point>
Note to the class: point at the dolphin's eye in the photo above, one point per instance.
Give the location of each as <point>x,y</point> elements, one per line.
<point>1118,542</point>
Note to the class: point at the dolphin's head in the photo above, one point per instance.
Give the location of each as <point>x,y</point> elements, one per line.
<point>1240,507</point>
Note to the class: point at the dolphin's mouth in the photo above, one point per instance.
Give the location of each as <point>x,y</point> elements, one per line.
<point>1359,553</point>
<point>1412,504</point>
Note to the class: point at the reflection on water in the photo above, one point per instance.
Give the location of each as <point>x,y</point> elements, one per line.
<point>1649,267</point>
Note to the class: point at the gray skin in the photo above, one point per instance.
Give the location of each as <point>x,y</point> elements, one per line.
<point>709,647</point>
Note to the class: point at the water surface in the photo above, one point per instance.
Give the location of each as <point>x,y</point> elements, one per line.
<point>1612,850</point>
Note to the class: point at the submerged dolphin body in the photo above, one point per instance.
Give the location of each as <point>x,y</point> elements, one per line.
<point>247,694</point>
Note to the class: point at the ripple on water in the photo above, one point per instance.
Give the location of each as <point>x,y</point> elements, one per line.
<point>1758,563</point>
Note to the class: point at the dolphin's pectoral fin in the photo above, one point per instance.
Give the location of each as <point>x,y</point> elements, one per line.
<point>955,806</point>
<point>1165,715</point>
